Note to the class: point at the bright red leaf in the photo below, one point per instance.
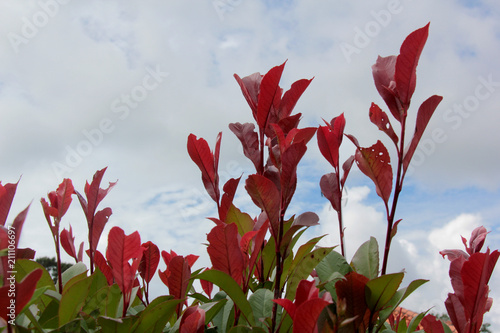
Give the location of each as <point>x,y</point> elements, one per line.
<point>149,261</point>
<point>7,193</point>
<point>193,320</point>
<point>68,244</point>
<point>406,64</point>
<point>202,156</point>
<point>269,89</point>
<point>250,142</point>
<point>225,252</point>
<point>380,118</point>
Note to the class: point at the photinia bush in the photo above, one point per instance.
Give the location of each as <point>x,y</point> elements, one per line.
<point>259,279</point>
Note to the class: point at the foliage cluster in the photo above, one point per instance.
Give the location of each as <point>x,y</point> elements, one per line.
<point>266,281</point>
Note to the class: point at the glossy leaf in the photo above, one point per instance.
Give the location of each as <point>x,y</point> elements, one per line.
<point>178,280</point>
<point>291,97</point>
<point>193,320</point>
<point>68,244</point>
<point>250,86</point>
<point>73,299</point>
<point>424,114</point>
<point>331,189</point>
<point>154,318</point>
<point>227,198</point>
<point>383,75</point>
<point>381,290</point>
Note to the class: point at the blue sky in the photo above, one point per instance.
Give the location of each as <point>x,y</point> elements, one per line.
<point>122,84</point>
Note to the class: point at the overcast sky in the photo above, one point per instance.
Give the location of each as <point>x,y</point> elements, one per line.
<point>84,85</point>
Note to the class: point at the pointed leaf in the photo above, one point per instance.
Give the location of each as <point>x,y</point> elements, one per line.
<point>149,261</point>
<point>424,114</point>
<point>250,86</point>
<point>331,189</point>
<point>7,193</point>
<point>179,277</point>
<point>18,223</point>
<point>269,88</point>
<point>346,167</point>
<point>328,145</point>
<point>227,198</point>
<point>307,314</point>
<point>291,97</point>
<point>64,192</point>
<point>381,290</point>
<point>68,242</point>
<point>366,259</point>
<point>406,64</point>
<point>23,292</point>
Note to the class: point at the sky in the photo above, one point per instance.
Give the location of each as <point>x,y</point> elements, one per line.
<point>121,85</point>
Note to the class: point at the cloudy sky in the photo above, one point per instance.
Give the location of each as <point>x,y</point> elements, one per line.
<point>122,84</point>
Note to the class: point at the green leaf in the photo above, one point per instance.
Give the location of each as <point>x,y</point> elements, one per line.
<point>331,265</point>
<point>73,299</point>
<point>156,315</point>
<point>49,318</point>
<point>25,266</point>
<point>262,305</point>
<point>398,298</point>
<point>381,290</point>
<point>116,325</point>
<point>415,321</point>
<point>212,309</point>
<point>233,290</point>
<point>242,220</point>
<point>366,259</point>
<point>75,270</point>
<point>304,268</point>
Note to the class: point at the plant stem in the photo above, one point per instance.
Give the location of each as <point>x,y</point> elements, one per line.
<point>58,254</point>
<point>339,214</point>
<point>397,190</point>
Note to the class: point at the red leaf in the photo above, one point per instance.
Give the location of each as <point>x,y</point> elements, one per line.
<point>100,220</point>
<point>406,64</point>
<point>306,290</point>
<point>18,223</point>
<point>306,315</point>
<point>383,75</point>
<point>193,320</point>
<point>269,88</point>
<point>346,167</point>
<point>291,97</point>
<point>287,305</point>
<point>431,324</point>
<point>267,197</point>
<point>250,86</point>
<point>68,242</point>
<point>225,252</point>
<point>191,259</point>
<point>149,261</point>
<point>477,239</point>
<point>23,292</point>
<point>424,114</point>
<point>328,145</point>
<point>289,162</point>
<point>103,266</point>
<point>64,192</point>
<point>331,189</point>
<point>121,249</point>
<point>379,118</point>
<point>227,198</point>
<point>94,194</point>
<point>306,219</point>
<point>455,310</point>
<point>207,286</point>
<point>179,277</point>
<point>249,140</point>
<point>351,292</point>
<point>200,153</point>
<point>257,245</point>
<point>7,193</point>
<point>376,164</point>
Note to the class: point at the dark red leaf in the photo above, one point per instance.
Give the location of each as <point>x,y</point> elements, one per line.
<point>18,223</point>
<point>383,75</point>
<point>455,310</point>
<point>289,162</point>
<point>379,118</point>
<point>193,320</point>
<point>291,97</point>
<point>121,250</point>
<point>149,261</point>
<point>94,194</point>
<point>351,292</point>
<point>249,140</point>
<point>267,197</point>
<point>375,162</point>
<point>225,252</point>
<point>424,114</point>
<point>331,190</point>
<point>257,245</point>
<point>64,192</point>
<point>207,286</point>
<point>406,64</point>
<point>7,193</point>
<point>200,153</point>
<point>269,88</point>
<point>431,324</point>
